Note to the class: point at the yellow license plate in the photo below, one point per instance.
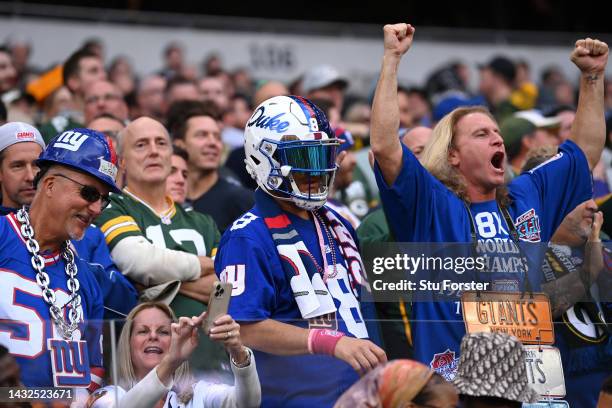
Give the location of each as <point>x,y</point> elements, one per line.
<point>525,316</point>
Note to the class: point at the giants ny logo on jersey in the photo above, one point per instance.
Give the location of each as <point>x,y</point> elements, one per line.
<point>70,140</point>
<point>26,328</point>
<point>69,362</point>
<point>234,274</point>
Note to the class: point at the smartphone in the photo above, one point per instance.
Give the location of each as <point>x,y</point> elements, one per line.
<point>218,303</point>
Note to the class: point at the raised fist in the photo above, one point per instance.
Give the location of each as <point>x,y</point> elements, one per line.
<point>398,38</point>
<point>590,56</point>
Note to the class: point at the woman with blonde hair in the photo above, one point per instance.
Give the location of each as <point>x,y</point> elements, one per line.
<point>154,372</point>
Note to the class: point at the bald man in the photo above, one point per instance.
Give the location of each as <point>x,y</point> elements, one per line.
<point>416,139</point>
<point>144,217</point>
<point>268,90</point>
<point>155,242</point>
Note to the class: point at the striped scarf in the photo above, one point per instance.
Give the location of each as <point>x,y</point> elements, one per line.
<point>311,294</point>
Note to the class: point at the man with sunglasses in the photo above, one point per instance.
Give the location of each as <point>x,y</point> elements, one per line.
<point>294,264</point>
<point>20,146</point>
<point>50,303</point>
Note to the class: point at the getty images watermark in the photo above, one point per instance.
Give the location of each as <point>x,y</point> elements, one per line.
<point>442,271</point>
<point>405,264</point>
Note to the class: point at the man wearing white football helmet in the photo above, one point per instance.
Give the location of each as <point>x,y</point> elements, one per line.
<point>294,263</point>
<point>292,160</point>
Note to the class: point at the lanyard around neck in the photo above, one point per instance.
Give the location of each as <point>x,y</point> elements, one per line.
<point>514,236</point>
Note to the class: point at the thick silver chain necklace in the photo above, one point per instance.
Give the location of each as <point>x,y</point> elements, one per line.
<point>42,278</point>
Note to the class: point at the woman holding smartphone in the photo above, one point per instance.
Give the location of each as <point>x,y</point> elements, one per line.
<point>153,368</point>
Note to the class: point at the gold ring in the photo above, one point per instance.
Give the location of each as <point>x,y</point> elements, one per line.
<point>228,334</point>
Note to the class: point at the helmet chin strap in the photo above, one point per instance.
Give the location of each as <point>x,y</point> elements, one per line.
<point>298,202</point>
<point>308,206</point>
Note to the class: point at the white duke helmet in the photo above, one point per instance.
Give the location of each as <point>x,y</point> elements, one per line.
<point>289,136</point>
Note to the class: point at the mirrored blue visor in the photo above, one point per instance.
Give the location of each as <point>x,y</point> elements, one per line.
<point>308,156</point>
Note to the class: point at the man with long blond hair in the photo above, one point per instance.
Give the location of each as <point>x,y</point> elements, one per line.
<point>458,192</point>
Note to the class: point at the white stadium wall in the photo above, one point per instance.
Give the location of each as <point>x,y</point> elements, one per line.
<point>270,55</point>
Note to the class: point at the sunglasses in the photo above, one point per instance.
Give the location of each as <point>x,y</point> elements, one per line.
<point>90,193</point>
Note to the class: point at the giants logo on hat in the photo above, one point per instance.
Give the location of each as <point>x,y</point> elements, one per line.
<point>26,135</point>
<point>445,364</point>
<point>70,140</point>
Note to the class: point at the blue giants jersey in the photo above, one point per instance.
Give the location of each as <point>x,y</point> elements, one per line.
<point>26,328</point>
<point>422,209</point>
<point>118,293</point>
<point>248,257</point>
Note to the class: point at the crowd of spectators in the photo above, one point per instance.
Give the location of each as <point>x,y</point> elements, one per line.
<point>178,132</point>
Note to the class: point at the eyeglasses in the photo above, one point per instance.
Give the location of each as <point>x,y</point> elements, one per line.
<point>106,98</point>
<point>90,193</point>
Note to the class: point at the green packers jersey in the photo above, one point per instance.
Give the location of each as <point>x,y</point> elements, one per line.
<point>394,316</point>
<point>178,229</point>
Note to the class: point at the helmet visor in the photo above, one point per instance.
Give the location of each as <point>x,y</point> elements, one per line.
<point>312,157</point>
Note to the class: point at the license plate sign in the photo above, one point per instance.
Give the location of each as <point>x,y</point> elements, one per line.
<point>525,316</point>
<point>545,370</point>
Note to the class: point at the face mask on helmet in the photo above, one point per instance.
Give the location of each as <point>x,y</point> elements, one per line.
<point>297,164</point>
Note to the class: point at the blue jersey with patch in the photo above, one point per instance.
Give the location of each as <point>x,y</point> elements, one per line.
<point>26,328</point>
<point>248,257</point>
<point>421,209</point>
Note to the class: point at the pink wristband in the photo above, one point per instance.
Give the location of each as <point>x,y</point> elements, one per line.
<point>323,341</point>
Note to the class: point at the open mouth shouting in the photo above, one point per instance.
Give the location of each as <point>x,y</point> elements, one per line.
<point>497,161</point>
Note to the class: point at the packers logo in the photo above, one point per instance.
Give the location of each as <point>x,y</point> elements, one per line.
<point>584,324</point>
